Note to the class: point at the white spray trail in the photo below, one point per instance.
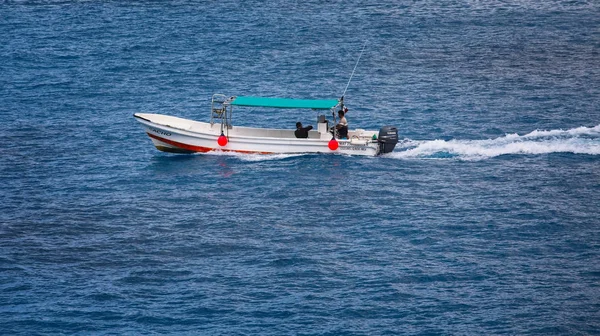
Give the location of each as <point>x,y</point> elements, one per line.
<point>581,140</point>
<point>253,157</point>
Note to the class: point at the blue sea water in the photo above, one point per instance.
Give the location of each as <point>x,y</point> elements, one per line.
<point>483,221</point>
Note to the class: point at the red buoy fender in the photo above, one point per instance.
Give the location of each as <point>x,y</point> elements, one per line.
<point>333,144</point>
<point>222,140</point>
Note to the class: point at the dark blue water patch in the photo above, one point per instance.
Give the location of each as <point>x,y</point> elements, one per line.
<point>101,233</point>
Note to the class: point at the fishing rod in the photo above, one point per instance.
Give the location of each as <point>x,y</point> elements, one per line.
<point>356,65</point>
<point>349,80</point>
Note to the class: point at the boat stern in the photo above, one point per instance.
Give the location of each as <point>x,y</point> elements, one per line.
<point>387,139</point>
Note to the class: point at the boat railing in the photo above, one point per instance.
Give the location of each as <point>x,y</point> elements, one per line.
<point>218,110</point>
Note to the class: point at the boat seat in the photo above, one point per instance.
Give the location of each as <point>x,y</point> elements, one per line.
<point>314,135</point>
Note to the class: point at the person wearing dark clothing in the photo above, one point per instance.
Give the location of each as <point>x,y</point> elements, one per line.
<point>302,132</point>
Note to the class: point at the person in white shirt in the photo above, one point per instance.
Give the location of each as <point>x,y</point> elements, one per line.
<point>342,126</point>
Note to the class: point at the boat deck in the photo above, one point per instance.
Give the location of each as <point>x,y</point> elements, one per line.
<point>206,128</point>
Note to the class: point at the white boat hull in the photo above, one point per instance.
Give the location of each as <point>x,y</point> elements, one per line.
<point>178,135</point>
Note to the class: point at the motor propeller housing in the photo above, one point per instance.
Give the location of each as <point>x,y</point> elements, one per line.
<point>388,138</point>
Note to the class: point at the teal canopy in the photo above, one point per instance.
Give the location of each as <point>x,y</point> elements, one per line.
<point>321,104</point>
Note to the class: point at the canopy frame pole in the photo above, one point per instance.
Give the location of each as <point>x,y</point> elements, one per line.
<point>334,128</point>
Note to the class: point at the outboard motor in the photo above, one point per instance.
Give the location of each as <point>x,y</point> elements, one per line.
<point>388,138</point>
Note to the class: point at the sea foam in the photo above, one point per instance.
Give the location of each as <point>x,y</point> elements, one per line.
<point>580,140</point>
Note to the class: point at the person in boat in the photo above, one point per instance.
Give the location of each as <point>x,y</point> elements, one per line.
<point>302,132</point>
<point>342,126</point>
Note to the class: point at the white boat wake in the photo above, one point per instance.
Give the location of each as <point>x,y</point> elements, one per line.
<point>256,157</point>
<point>581,140</point>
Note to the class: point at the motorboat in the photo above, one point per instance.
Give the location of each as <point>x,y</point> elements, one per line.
<point>179,135</point>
